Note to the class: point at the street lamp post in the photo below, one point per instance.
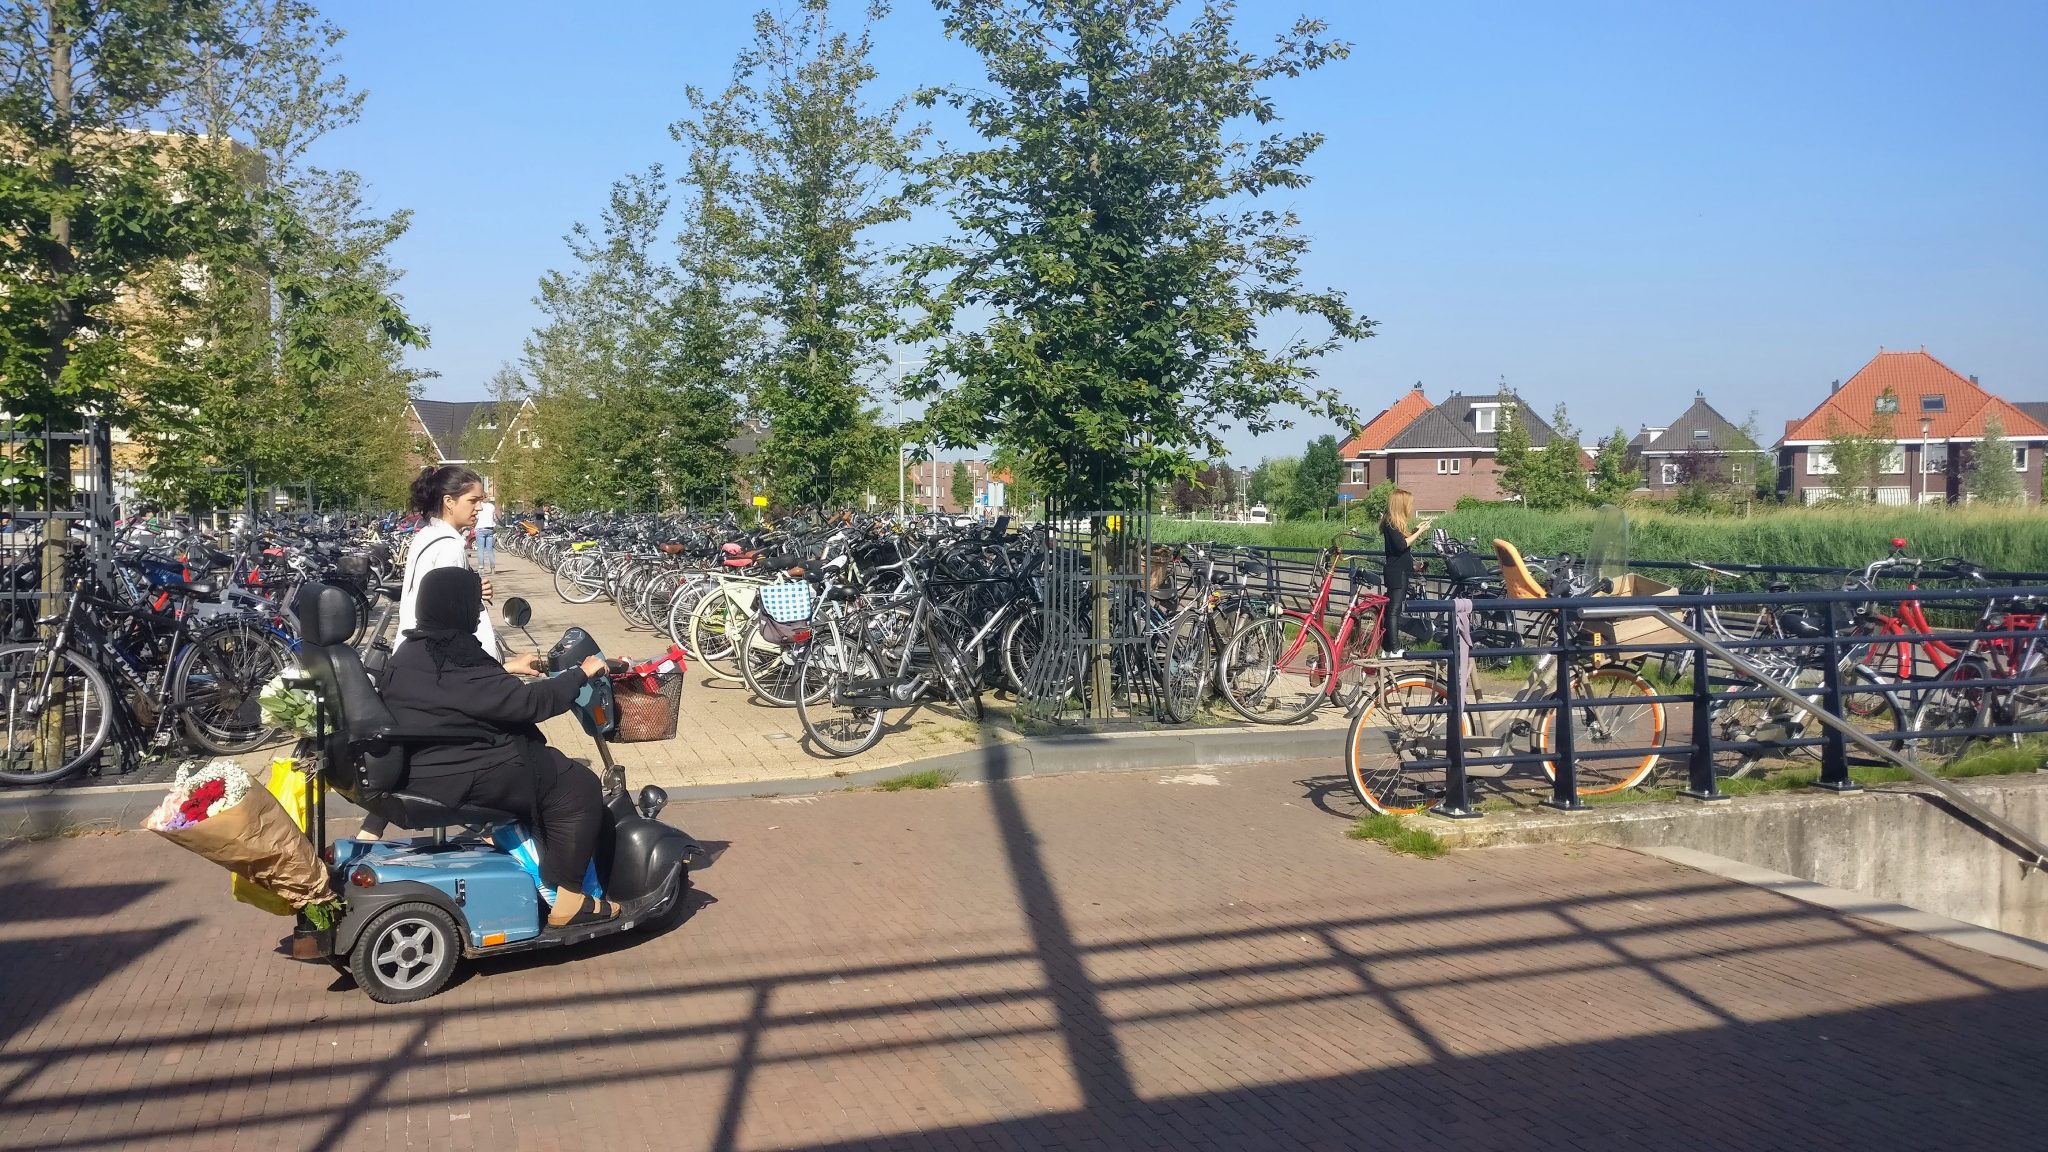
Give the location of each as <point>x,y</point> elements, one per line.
<point>902,448</point>
<point>1926,427</point>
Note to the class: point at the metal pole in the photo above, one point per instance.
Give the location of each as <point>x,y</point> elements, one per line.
<point>1457,801</point>
<point>1834,752</point>
<point>1702,784</point>
<point>1564,791</point>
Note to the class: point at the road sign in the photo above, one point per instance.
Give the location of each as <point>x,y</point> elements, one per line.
<point>760,501</point>
<point>1343,495</point>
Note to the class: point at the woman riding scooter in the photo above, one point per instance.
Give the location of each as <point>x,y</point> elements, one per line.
<point>442,680</point>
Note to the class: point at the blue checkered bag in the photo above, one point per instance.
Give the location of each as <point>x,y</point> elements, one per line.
<point>787,603</point>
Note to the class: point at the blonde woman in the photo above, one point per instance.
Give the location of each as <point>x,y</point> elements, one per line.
<point>1399,541</point>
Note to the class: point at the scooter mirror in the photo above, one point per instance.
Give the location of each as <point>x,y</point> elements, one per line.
<point>653,798</point>
<point>517,612</point>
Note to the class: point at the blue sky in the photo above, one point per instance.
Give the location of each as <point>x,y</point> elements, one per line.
<point>1610,204</point>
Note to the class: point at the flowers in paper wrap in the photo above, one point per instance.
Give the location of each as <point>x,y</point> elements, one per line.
<point>216,811</point>
<point>285,707</point>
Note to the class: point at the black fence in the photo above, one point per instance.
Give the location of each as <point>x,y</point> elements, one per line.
<point>1992,689</point>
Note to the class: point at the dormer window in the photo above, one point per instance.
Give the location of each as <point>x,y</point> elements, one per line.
<point>1486,417</point>
<point>1888,403</point>
<point>1701,436</point>
<point>1934,403</point>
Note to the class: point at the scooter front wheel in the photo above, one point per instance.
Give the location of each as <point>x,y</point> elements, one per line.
<point>406,953</point>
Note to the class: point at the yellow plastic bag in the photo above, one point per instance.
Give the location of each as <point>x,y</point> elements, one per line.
<point>288,784</point>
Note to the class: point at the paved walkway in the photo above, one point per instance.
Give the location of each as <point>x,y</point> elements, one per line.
<point>1195,960</point>
<point>726,736</point>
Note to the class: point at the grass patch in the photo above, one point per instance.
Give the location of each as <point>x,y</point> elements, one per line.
<point>1643,794</point>
<point>916,781</point>
<point>1849,537</point>
<point>1394,834</point>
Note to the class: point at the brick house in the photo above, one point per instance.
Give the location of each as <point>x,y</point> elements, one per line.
<point>1937,418</point>
<point>1694,446</point>
<point>1440,452</point>
<point>935,478</point>
<point>454,431</point>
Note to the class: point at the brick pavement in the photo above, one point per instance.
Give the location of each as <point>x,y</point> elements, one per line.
<point>1123,960</point>
<point>725,736</point>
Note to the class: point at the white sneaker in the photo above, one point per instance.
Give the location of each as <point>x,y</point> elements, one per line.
<point>1395,654</point>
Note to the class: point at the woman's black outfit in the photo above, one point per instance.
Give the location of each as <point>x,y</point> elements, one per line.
<point>1400,566</point>
<point>444,681</point>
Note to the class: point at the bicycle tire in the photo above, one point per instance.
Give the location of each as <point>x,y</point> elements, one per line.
<point>681,607</point>
<point>217,685</point>
<point>769,673</point>
<point>1947,710</point>
<point>1021,640</point>
<point>962,684</point>
<point>1384,781</point>
<point>1277,671</point>
<point>85,686</point>
<point>838,730</point>
<point>711,636</point>
<point>579,578</point>
<point>1184,674</point>
<point>1597,723</point>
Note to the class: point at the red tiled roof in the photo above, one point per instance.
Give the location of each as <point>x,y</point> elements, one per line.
<point>1909,376</point>
<point>1388,424</point>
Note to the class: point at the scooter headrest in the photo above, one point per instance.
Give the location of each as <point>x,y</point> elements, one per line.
<point>326,615</point>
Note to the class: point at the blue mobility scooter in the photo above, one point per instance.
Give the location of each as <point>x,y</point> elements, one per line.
<point>413,909</point>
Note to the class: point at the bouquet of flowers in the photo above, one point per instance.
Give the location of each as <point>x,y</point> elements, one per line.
<point>216,811</point>
<point>287,708</point>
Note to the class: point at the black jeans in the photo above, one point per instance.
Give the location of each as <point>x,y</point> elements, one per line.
<point>562,799</point>
<point>1399,569</point>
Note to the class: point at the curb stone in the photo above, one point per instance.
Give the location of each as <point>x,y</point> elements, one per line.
<point>42,813</point>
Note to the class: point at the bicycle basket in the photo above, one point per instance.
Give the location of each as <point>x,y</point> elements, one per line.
<point>1465,567</point>
<point>644,715</point>
<point>787,603</point>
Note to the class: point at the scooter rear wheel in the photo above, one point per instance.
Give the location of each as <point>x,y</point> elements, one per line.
<point>406,953</point>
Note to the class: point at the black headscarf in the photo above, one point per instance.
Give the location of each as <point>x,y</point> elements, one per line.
<point>450,600</point>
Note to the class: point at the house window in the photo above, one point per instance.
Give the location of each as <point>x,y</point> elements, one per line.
<point>1894,462</point>
<point>1450,467</point>
<point>1701,436</point>
<point>1818,464</point>
<point>1485,417</point>
<point>2019,459</point>
<point>1934,403</point>
<point>1888,403</point>
<point>524,438</point>
<point>1934,458</point>
<point>1670,475</point>
<point>1358,471</point>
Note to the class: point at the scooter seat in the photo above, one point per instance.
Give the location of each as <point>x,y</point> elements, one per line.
<point>420,813</point>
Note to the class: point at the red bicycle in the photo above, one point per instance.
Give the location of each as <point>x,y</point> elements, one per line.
<point>1281,669</point>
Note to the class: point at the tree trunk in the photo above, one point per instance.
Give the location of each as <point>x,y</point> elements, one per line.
<point>56,452</point>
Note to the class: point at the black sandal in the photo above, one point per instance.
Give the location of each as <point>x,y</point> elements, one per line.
<point>593,911</point>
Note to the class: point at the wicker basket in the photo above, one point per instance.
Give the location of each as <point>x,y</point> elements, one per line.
<point>644,715</point>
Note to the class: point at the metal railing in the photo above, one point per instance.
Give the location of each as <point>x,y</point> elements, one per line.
<point>1724,671</point>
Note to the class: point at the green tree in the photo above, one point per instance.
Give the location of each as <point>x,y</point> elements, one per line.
<point>1992,479</point>
<point>1613,477</point>
<point>821,170</point>
<point>1555,477</point>
<point>1272,484</point>
<point>1098,308</point>
<point>94,203</point>
<point>1316,477</point>
<point>963,484</point>
<point>1511,446</point>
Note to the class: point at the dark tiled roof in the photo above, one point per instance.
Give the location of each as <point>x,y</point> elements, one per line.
<point>1701,417</point>
<point>447,420</point>
<point>1451,425</point>
<point>2037,409</point>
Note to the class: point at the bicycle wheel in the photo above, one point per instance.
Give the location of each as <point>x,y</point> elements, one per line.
<point>955,670</point>
<point>88,717</point>
<point>1949,709</point>
<point>1608,712</point>
<point>836,726</point>
<point>766,667</point>
<point>1385,741</point>
<point>1277,671</point>
<point>217,684</point>
<point>1184,674</point>
<point>1021,640</point>
<point>580,578</point>
<point>681,607</point>
<point>713,629</point>
<point>627,598</point>
<point>1874,662</point>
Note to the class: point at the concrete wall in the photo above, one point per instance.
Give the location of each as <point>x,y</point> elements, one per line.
<point>1893,843</point>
